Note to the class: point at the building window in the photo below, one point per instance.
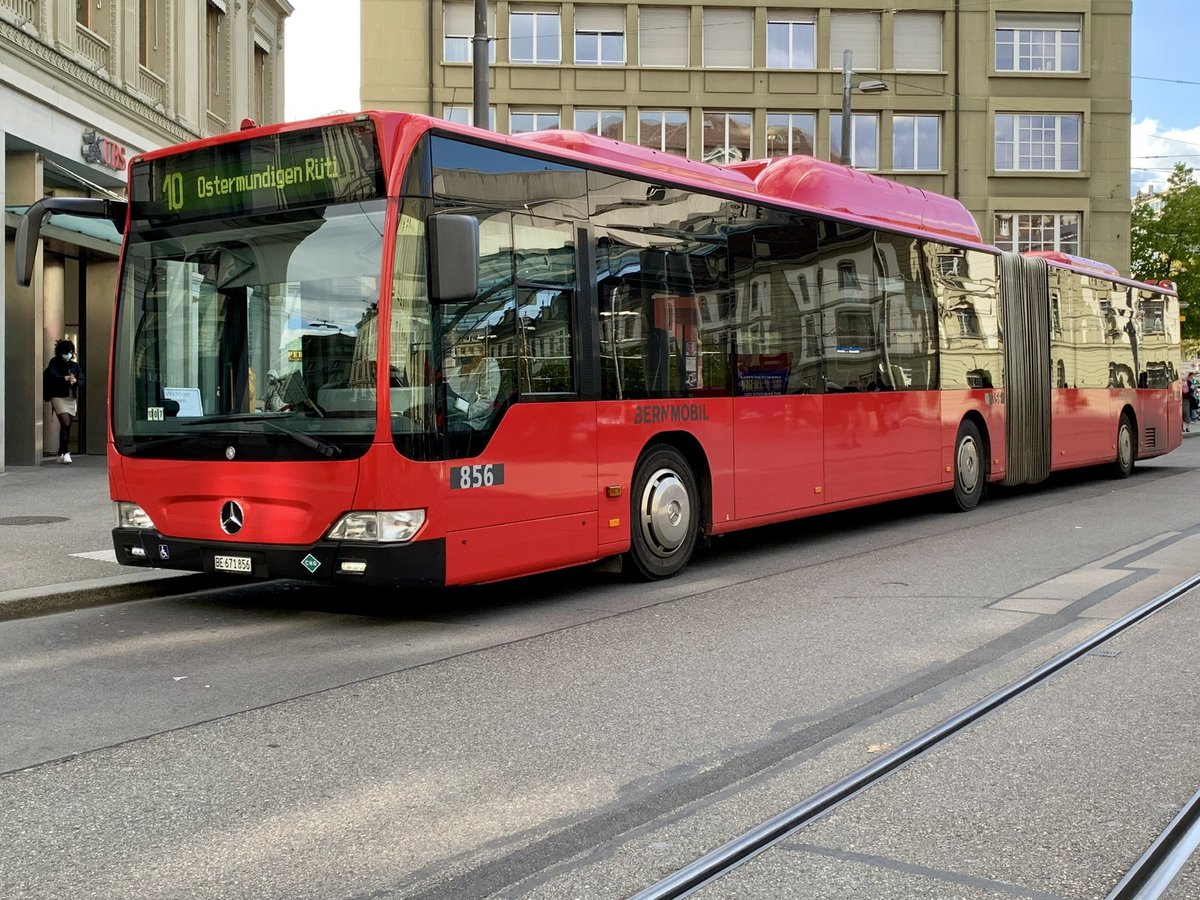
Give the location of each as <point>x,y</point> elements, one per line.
<point>968,319</point>
<point>665,130</point>
<point>728,38</point>
<point>217,54</point>
<point>789,134</point>
<point>917,42</point>
<point>1037,143</point>
<point>465,115</point>
<point>858,32</point>
<point>96,16</point>
<point>916,143</point>
<point>1021,232</point>
<point>847,276</point>
<point>609,123</point>
<point>148,33</point>
<point>261,101</point>
<point>521,121</point>
<point>791,41</point>
<point>726,137</point>
<point>599,35</point>
<point>534,37</point>
<point>1037,43</point>
<point>864,139</point>
<point>664,35</point>
<point>458,23</point>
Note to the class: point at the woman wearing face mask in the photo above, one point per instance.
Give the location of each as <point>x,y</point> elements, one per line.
<point>60,386</point>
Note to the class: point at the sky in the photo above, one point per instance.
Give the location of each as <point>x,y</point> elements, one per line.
<point>1165,126</point>
<point>321,58</point>
<point>1165,89</point>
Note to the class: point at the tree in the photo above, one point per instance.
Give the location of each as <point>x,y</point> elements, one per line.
<point>1165,241</point>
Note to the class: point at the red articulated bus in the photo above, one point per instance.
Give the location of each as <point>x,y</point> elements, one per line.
<point>383,349</point>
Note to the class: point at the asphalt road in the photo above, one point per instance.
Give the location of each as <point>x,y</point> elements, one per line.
<point>577,736</point>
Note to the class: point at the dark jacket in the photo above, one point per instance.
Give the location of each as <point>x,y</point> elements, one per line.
<point>54,379</point>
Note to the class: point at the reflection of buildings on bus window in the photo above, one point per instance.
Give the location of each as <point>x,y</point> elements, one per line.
<point>969,317</point>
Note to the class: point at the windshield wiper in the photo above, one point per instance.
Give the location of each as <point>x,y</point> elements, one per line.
<point>323,447</point>
<point>141,446</point>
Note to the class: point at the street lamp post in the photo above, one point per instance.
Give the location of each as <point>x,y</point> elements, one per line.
<point>479,59</point>
<point>847,75</point>
<point>867,87</point>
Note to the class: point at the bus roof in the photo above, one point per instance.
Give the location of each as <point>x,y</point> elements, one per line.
<point>814,184</point>
<point>1078,263</point>
<point>821,185</point>
<point>1086,266</point>
<point>632,155</point>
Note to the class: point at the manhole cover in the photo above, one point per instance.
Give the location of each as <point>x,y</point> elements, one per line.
<point>31,520</point>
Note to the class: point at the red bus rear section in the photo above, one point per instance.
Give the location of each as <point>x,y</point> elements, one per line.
<point>384,350</point>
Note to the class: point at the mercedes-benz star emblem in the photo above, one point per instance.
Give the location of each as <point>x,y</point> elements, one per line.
<point>232,517</point>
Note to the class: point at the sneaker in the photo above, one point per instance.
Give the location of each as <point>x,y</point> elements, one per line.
<point>65,459</point>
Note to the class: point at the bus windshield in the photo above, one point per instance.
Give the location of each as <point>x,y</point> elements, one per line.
<point>250,334</point>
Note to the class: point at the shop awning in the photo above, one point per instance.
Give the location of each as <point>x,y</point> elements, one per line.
<point>99,235</point>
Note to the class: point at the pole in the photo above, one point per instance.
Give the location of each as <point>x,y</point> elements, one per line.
<point>847,75</point>
<point>479,46</point>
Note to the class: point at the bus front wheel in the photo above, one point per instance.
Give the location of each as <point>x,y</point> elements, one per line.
<point>969,466</point>
<point>1123,466</point>
<point>665,511</point>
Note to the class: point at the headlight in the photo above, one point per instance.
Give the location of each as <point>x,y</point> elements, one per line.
<point>130,515</point>
<point>394,526</point>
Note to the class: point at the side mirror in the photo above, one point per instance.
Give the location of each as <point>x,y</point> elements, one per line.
<point>453,257</point>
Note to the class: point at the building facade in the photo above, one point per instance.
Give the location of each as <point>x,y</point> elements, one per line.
<point>1019,110</point>
<point>84,86</point>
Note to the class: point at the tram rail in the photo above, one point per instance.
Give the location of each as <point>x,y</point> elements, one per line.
<point>1152,872</point>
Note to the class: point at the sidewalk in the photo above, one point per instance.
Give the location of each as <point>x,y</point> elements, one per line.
<point>56,549</point>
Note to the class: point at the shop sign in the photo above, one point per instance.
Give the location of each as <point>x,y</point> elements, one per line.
<point>104,151</point>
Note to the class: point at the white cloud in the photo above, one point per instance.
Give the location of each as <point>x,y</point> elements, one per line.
<point>1154,153</point>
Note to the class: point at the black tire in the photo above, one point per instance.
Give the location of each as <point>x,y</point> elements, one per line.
<point>970,467</point>
<point>1122,466</point>
<point>664,514</point>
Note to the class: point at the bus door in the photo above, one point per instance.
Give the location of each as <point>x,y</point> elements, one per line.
<point>882,409</point>
<point>521,437</point>
<point>776,353</point>
<point>1073,328</point>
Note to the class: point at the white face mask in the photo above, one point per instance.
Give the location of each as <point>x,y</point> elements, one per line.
<point>68,356</point>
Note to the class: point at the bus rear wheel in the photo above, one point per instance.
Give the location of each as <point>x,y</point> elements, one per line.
<point>665,511</point>
<point>969,466</point>
<point>1123,466</point>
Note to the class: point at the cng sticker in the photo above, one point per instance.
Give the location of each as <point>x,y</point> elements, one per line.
<point>311,563</point>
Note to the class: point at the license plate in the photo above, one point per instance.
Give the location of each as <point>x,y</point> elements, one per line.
<point>232,564</point>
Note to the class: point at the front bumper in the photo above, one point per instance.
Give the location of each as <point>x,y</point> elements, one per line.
<point>418,564</point>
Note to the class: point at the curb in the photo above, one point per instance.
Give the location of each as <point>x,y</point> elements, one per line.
<point>56,598</point>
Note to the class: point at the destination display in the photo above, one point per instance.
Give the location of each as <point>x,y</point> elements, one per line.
<point>314,166</point>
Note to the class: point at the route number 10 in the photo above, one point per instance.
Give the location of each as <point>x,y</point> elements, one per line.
<point>173,191</point>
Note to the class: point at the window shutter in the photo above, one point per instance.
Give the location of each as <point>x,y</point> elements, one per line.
<point>728,38</point>
<point>459,18</point>
<point>600,18</point>
<point>858,32</point>
<point>918,42</point>
<point>1044,22</point>
<point>792,15</point>
<point>663,37</point>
